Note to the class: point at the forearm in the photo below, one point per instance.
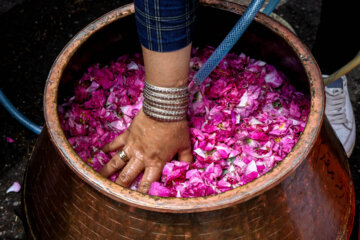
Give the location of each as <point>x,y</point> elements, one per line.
<point>167,69</point>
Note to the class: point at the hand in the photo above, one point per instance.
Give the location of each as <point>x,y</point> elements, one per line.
<point>148,144</point>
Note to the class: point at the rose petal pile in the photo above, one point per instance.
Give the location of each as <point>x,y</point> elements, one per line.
<point>244,119</point>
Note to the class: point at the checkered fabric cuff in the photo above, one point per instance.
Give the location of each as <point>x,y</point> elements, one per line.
<point>165,25</point>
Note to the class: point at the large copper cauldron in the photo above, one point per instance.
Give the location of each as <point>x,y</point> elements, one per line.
<point>309,195</point>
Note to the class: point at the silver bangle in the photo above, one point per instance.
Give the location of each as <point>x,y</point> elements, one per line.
<point>164,89</point>
<point>165,118</point>
<point>164,111</point>
<point>166,107</point>
<point>166,96</point>
<point>182,101</point>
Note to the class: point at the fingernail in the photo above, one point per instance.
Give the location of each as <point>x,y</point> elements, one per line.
<point>144,188</point>
<point>124,177</point>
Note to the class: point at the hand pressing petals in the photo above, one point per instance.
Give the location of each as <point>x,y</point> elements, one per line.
<point>149,145</point>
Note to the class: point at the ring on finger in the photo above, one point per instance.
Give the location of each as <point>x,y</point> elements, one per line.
<point>123,156</point>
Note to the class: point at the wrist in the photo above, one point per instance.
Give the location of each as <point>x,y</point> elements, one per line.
<point>175,82</point>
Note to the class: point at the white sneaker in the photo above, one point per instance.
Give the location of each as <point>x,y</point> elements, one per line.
<point>340,114</point>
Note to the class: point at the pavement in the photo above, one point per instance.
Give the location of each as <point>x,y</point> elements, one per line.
<point>33,32</point>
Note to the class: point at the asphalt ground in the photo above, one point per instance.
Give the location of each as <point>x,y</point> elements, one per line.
<point>33,32</point>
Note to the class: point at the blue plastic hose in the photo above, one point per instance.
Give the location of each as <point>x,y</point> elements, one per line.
<point>232,37</point>
<point>270,7</point>
<point>18,115</point>
<point>229,41</point>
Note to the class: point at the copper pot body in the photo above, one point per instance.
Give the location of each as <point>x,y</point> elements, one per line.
<point>309,195</point>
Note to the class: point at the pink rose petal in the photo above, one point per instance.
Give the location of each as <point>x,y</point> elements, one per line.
<point>15,187</point>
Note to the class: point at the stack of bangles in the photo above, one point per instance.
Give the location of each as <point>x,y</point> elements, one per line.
<point>165,104</point>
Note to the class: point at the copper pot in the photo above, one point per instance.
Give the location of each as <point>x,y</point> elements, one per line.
<point>309,195</point>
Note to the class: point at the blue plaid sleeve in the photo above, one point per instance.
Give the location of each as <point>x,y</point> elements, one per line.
<point>165,25</point>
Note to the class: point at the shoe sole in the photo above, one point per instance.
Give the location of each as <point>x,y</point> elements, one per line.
<point>353,145</point>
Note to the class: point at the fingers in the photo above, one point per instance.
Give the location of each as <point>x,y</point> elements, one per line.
<point>117,143</point>
<point>115,164</point>
<point>185,155</point>
<point>130,172</point>
<point>151,175</point>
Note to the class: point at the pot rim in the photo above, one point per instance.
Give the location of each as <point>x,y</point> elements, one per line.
<point>186,205</point>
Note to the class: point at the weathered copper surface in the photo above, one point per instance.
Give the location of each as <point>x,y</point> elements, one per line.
<point>309,195</point>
